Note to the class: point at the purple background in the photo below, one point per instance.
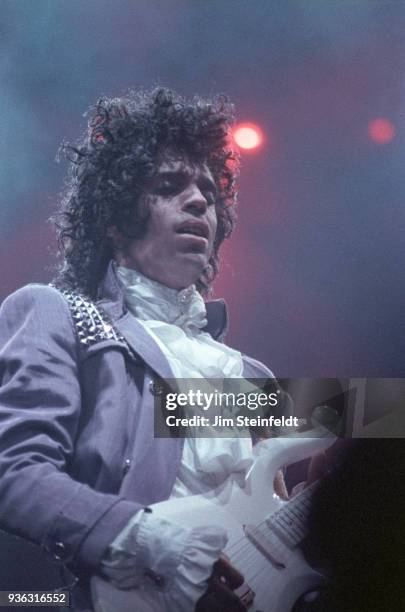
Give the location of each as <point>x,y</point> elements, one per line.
<point>314,273</point>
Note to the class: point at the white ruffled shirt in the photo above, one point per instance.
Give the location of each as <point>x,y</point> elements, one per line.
<point>175,320</point>
<point>183,557</point>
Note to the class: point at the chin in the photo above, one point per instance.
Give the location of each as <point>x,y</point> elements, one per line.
<point>188,271</point>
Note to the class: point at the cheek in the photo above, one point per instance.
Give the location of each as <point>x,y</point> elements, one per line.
<point>160,235</point>
<point>157,219</point>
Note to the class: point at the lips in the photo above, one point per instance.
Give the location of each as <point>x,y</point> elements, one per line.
<point>194,228</point>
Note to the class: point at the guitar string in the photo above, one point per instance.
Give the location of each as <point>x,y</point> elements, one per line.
<point>253,568</point>
<point>262,523</point>
<point>244,550</point>
<point>244,543</point>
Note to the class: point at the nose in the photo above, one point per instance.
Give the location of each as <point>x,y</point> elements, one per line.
<point>195,202</point>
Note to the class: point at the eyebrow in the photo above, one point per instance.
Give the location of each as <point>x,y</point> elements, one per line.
<point>203,179</point>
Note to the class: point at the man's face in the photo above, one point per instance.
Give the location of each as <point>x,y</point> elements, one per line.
<point>182,225</point>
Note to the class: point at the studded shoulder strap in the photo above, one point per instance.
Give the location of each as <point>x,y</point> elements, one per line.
<point>92,323</point>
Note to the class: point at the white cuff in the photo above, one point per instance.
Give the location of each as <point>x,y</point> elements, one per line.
<point>178,560</point>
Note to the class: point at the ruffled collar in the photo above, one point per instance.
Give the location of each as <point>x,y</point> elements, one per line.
<point>150,300</point>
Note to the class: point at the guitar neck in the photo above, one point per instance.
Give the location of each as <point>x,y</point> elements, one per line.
<point>289,523</point>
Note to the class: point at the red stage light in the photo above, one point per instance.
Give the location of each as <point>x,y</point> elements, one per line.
<point>247,136</point>
<point>381,130</point>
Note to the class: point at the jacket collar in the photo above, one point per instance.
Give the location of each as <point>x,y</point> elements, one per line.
<point>111,299</point>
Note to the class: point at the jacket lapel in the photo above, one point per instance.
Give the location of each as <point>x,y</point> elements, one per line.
<point>143,344</point>
<point>139,341</point>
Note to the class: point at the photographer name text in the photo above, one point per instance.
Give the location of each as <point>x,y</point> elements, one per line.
<point>237,421</point>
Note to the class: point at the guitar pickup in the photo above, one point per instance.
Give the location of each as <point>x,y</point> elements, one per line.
<point>268,544</point>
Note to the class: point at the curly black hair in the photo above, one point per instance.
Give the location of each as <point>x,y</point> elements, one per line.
<point>115,160</point>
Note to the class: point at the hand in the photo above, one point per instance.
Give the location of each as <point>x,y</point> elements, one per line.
<point>279,485</point>
<point>317,468</point>
<point>219,596</point>
<point>180,556</point>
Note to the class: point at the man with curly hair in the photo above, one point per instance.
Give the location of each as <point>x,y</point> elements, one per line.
<point>150,199</point>
<point>116,163</point>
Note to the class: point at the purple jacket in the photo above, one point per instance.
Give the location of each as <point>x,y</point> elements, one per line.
<point>77,453</point>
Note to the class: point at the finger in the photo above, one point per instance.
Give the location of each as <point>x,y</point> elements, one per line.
<point>208,603</point>
<point>227,573</point>
<point>317,467</point>
<point>225,596</point>
<point>279,485</point>
<point>215,600</point>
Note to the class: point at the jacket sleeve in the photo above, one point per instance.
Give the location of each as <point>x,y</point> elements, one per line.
<point>40,404</point>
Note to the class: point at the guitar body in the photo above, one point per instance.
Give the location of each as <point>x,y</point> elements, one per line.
<point>273,566</point>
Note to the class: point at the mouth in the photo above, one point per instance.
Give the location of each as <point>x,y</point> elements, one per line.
<point>199,229</point>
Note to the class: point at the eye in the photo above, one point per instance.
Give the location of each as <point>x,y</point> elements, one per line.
<point>166,187</point>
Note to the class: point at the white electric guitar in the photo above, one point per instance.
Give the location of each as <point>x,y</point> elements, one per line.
<point>264,535</point>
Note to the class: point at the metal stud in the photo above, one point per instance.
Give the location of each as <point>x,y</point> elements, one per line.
<point>92,323</point>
